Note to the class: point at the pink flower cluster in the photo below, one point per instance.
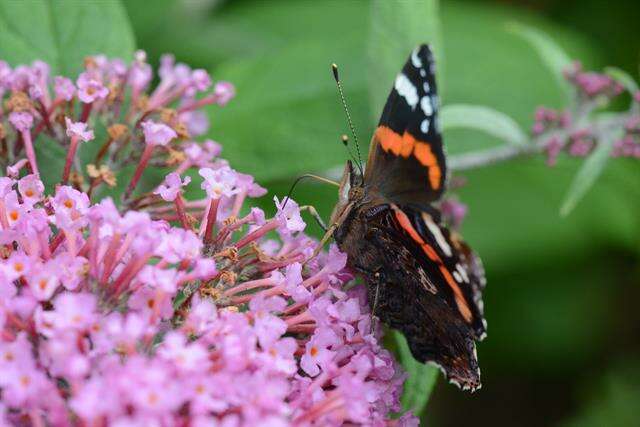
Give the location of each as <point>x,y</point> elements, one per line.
<point>453,212</point>
<point>590,84</point>
<point>574,131</point>
<point>168,311</point>
<point>629,144</point>
<point>143,124</point>
<point>558,126</point>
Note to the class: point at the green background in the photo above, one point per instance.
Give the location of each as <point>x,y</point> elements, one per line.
<point>561,303</point>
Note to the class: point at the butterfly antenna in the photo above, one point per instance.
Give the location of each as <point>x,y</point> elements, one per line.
<point>300,178</point>
<point>336,76</point>
<point>345,142</point>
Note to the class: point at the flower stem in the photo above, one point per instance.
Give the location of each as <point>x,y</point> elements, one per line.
<point>70,156</point>
<point>31,154</point>
<point>211,220</point>
<point>144,159</point>
<point>271,225</point>
<point>179,201</point>
<point>103,151</point>
<point>478,159</point>
<point>86,110</point>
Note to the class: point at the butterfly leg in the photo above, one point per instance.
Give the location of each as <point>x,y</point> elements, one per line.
<point>375,299</point>
<point>374,319</point>
<point>330,230</point>
<point>314,213</point>
<point>323,241</point>
<point>373,278</point>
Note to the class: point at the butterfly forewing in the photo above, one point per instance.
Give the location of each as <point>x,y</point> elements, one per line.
<point>406,159</point>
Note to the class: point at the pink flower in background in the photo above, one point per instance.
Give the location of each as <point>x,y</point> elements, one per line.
<point>197,122</point>
<point>202,154</point>
<point>31,189</point>
<point>140,73</point>
<point>70,207</point>
<point>200,80</point>
<point>78,130</point>
<point>22,121</point>
<point>224,92</point>
<point>289,216</point>
<point>64,88</point>
<point>157,133</point>
<point>592,84</point>
<point>221,182</point>
<point>172,184</point>
<point>90,89</point>
<point>453,212</point>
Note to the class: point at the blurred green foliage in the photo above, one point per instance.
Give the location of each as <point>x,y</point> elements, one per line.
<point>613,401</point>
<point>63,33</point>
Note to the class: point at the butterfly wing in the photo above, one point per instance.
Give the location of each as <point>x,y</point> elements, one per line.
<point>424,281</point>
<point>406,160</point>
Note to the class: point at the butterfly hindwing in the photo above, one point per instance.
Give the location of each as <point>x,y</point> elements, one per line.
<point>406,159</point>
<point>455,269</point>
<point>426,289</point>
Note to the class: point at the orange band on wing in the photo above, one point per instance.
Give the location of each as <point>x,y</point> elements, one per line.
<point>463,307</point>
<point>425,156</point>
<point>390,140</point>
<point>405,223</point>
<point>407,226</point>
<point>404,145</point>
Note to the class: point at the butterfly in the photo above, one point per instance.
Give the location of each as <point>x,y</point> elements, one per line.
<point>421,277</point>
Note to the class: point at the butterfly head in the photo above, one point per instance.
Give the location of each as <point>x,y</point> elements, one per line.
<point>351,191</point>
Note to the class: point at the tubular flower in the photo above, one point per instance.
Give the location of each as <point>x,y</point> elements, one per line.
<point>167,310</point>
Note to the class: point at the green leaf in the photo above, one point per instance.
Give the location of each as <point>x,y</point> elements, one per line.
<point>420,380</point>
<point>588,174</point>
<point>51,157</point>
<point>484,119</point>
<point>287,116</point>
<point>396,29</point>
<point>63,33</point>
<point>554,57</point>
<point>623,78</point>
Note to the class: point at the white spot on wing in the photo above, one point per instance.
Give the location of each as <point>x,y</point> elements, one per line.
<point>415,59</point>
<point>457,276</point>
<point>426,105</point>
<point>424,126</point>
<point>462,272</point>
<point>423,73</point>
<point>426,86</point>
<point>407,90</point>
<point>437,234</point>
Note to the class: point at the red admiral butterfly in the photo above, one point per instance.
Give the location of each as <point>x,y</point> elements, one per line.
<point>422,278</point>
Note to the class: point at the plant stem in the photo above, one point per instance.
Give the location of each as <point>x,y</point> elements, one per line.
<point>488,157</point>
